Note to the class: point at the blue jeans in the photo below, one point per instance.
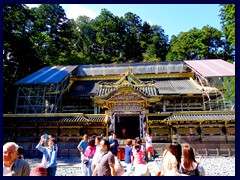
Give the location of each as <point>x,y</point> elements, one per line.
<point>87,168</point>
<point>51,171</point>
<point>81,157</point>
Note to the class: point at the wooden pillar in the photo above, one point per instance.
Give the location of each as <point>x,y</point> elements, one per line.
<point>171,132</point>
<point>143,125</point>
<point>96,109</point>
<point>106,130</point>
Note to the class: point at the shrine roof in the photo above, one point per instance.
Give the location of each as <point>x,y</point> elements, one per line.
<point>202,116</point>
<point>212,67</point>
<point>137,68</point>
<point>162,87</point>
<point>58,118</point>
<point>177,86</point>
<point>47,75</point>
<point>83,88</point>
<point>206,68</point>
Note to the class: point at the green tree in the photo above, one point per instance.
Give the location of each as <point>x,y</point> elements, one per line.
<point>82,43</point>
<point>133,27</point>
<point>19,56</point>
<point>160,43</point>
<point>108,42</point>
<point>196,44</point>
<point>33,38</point>
<point>227,15</point>
<point>53,34</point>
<point>229,94</point>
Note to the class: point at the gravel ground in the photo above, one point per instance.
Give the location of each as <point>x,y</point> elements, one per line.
<point>214,166</point>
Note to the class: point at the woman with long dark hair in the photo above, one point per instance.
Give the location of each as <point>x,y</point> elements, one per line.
<point>172,159</point>
<point>190,166</point>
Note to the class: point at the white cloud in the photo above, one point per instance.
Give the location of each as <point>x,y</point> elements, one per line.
<point>32,5</point>
<point>75,10</point>
<point>149,22</point>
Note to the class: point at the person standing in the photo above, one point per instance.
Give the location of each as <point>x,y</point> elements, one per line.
<point>124,133</point>
<point>172,158</point>
<point>88,157</point>
<point>190,166</point>
<point>97,153</point>
<point>138,155</point>
<point>118,167</point>
<point>106,163</point>
<point>128,158</point>
<point>149,146</point>
<point>49,155</point>
<point>138,141</point>
<point>82,146</point>
<point>114,144</point>
<point>12,165</point>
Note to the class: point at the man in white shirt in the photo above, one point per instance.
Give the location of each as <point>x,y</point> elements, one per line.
<point>12,165</point>
<point>97,153</point>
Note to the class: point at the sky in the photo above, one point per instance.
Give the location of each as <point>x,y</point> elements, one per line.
<point>173,18</point>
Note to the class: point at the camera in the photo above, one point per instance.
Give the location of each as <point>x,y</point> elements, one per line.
<point>46,135</point>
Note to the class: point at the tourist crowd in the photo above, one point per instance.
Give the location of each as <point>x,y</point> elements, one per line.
<point>99,157</point>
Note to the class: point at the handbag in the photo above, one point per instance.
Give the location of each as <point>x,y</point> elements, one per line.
<point>118,167</point>
<point>86,160</point>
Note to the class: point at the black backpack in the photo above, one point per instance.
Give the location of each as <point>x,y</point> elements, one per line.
<point>194,172</point>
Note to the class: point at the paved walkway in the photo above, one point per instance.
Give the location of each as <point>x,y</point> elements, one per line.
<point>152,167</point>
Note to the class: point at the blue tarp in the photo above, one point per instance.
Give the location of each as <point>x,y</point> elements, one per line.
<point>47,75</point>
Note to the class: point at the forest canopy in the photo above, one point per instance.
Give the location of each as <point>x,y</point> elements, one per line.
<point>37,37</point>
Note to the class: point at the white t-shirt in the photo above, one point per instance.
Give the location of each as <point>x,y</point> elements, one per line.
<point>97,154</point>
<point>169,164</point>
<point>148,142</point>
<point>6,171</point>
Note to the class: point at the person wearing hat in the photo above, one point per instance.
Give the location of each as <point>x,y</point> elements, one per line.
<point>172,158</point>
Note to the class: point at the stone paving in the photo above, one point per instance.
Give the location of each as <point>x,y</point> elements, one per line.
<point>72,167</point>
<point>214,166</point>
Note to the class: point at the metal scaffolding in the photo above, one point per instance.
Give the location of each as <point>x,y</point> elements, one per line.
<point>212,93</point>
<point>41,98</point>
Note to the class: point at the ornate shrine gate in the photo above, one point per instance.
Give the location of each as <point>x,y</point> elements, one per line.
<point>128,97</point>
<point>122,113</point>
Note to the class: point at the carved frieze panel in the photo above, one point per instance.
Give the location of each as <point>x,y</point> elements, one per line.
<point>127,107</point>
<point>126,96</point>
